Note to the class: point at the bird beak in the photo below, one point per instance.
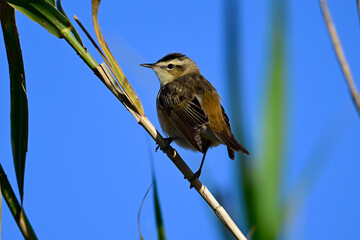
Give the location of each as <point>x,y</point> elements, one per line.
<point>148,65</point>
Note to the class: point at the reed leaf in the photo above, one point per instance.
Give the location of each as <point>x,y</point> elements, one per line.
<point>16,210</point>
<point>157,207</point>
<point>44,13</point>
<point>73,30</point>
<point>52,2</point>
<point>234,75</point>
<point>158,214</point>
<point>113,65</point>
<point>268,171</point>
<point>19,104</point>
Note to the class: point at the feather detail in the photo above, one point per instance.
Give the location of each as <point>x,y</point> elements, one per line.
<point>193,107</point>
<point>184,111</point>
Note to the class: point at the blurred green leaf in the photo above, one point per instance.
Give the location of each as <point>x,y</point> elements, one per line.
<point>73,30</point>
<point>233,64</point>
<point>158,214</point>
<point>234,74</point>
<point>19,105</point>
<point>267,179</point>
<point>157,207</point>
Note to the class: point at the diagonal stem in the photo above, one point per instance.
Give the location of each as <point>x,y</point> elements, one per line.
<point>340,55</point>
<point>15,208</point>
<point>186,171</point>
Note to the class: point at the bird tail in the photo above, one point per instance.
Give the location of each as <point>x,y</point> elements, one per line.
<point>231,153</point>
<point>228,138</point>
<point>241,149</point>
<point>232,145</point>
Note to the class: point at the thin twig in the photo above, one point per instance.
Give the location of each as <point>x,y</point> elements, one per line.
<point>139,213</point>
<point>186,171</point>
<point>90,38</point>
<point>358,5</point>
<point>340,55</point>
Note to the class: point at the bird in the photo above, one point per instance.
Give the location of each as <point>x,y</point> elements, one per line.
<point>189,108</point>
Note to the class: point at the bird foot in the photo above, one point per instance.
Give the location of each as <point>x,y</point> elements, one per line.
<point>168,142</point>
<point>196,175</point>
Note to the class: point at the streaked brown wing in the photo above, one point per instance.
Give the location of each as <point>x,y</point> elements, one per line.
<point>184,111</point>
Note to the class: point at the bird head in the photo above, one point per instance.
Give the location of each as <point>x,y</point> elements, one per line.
<point>172,66</point>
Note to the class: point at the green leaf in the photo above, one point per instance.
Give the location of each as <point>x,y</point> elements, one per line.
<point>55,22</point>
<point>52,2</point>
<point>35,15</point>
<point>113,65</point>
<point>269,169</point>
<point>73,30</point>
<point>16,210</point>
<point>261,177</point>
<point>158,214</point>
<point>157,207</point>
<point>45,14</point>
<point>234,74</point>
<point>19,105</point>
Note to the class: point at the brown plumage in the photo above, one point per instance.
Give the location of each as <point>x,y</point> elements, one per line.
<point>189,107</point>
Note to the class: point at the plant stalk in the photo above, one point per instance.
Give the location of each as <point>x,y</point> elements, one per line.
<point>15,208</point>
<point>340,55</point>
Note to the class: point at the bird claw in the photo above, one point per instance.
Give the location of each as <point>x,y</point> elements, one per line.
<point>196,175</point>
<point>168,142</point>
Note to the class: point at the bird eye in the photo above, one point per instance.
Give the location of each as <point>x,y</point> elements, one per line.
<point>170,66</point>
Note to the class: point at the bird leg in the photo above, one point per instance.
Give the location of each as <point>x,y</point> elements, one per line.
<point>168,142</point>
<point>198,172</point>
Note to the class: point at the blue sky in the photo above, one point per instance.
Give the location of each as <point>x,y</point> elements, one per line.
<point>88,162</point>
